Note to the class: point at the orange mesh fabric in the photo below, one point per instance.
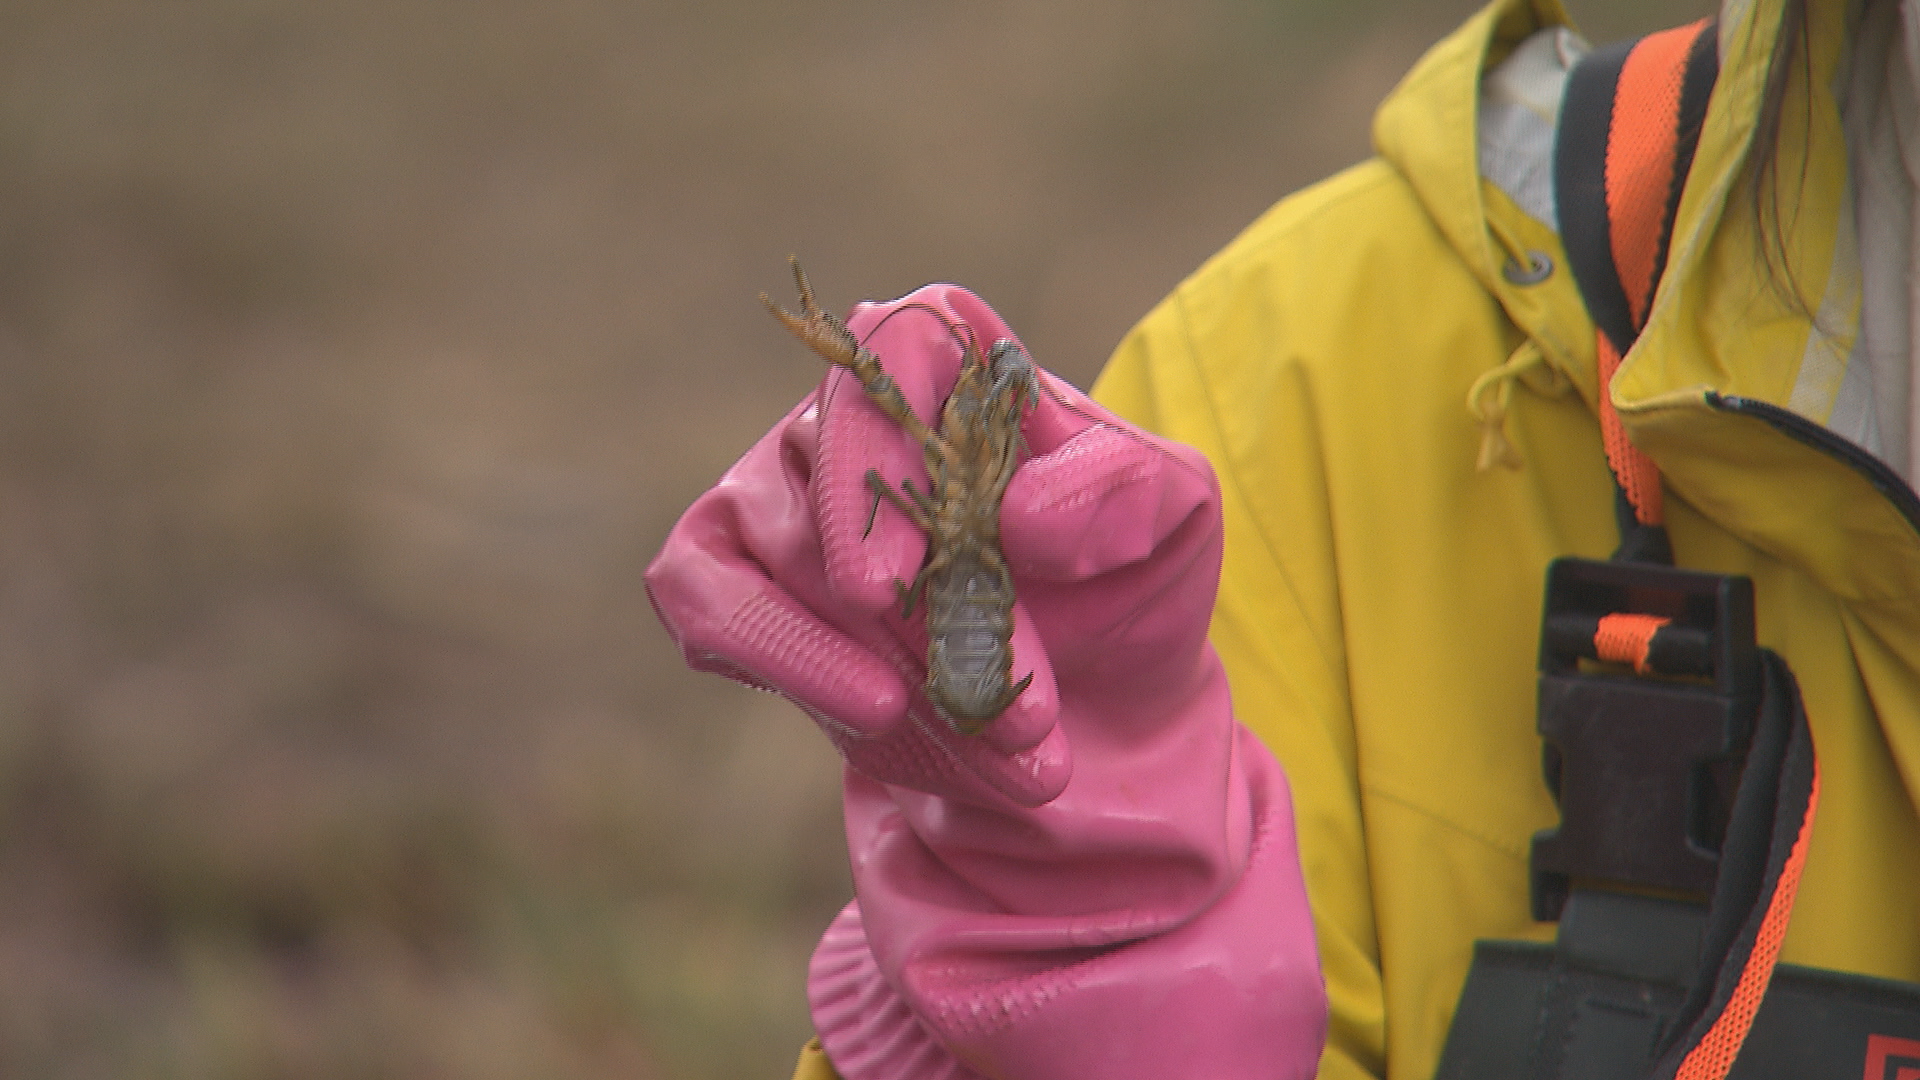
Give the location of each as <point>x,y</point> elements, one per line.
<point>1625,639</point>
<point>1642,142</point>
<point>1639,477</point>
<point>1713,1057</point>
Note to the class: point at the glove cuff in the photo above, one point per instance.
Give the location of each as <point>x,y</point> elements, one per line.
<point>865,1027</point>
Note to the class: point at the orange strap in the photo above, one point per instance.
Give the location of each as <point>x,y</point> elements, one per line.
<point>1658,104</point>
<point>1712,1057</point>
<point>1636,473</point>
<point>1643,163</point>
<point>1625,638</point>
<point>1643,144</point>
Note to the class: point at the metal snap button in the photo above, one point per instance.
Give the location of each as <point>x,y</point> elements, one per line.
<point>1537,270</point>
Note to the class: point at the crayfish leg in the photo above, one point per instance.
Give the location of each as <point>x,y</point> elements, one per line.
<point>924,503</point>
<point>918,511</point>
<point>907,591</point>
<point>935,563</point>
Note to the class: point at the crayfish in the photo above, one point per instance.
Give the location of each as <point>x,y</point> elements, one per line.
<point>964,581</point>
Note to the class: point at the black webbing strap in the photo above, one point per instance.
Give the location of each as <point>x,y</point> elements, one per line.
<point>1580,189</point>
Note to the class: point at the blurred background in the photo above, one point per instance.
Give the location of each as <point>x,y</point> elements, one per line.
<point>356,356</point>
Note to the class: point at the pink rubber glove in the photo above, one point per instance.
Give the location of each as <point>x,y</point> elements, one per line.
<point>1146,919</point>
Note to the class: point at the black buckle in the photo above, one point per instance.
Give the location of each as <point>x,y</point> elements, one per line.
<point>1642,768</point>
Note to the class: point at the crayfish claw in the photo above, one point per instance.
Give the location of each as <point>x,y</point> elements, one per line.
<point>800,282</point>
<point>1012,369</point>
<point>818,330</point>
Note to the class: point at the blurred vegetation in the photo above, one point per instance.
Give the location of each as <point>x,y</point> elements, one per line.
<point>354,359</point>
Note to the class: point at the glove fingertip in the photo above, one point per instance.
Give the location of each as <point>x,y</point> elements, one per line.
<point>1027,720</point>
<point>1036,777</point>
<point>870,582</point>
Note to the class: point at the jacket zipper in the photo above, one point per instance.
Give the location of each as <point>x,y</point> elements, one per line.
<point>1799,428</point>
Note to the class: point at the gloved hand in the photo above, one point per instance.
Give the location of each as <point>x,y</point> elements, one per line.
<point>1145,919</point>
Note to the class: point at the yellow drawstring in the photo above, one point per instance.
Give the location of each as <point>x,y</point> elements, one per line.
<point>1527,364</point>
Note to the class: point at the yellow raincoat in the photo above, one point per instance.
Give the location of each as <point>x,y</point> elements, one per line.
<point>1380,603</point>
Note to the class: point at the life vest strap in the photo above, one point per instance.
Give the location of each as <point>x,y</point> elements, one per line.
<point>1629,125</point>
